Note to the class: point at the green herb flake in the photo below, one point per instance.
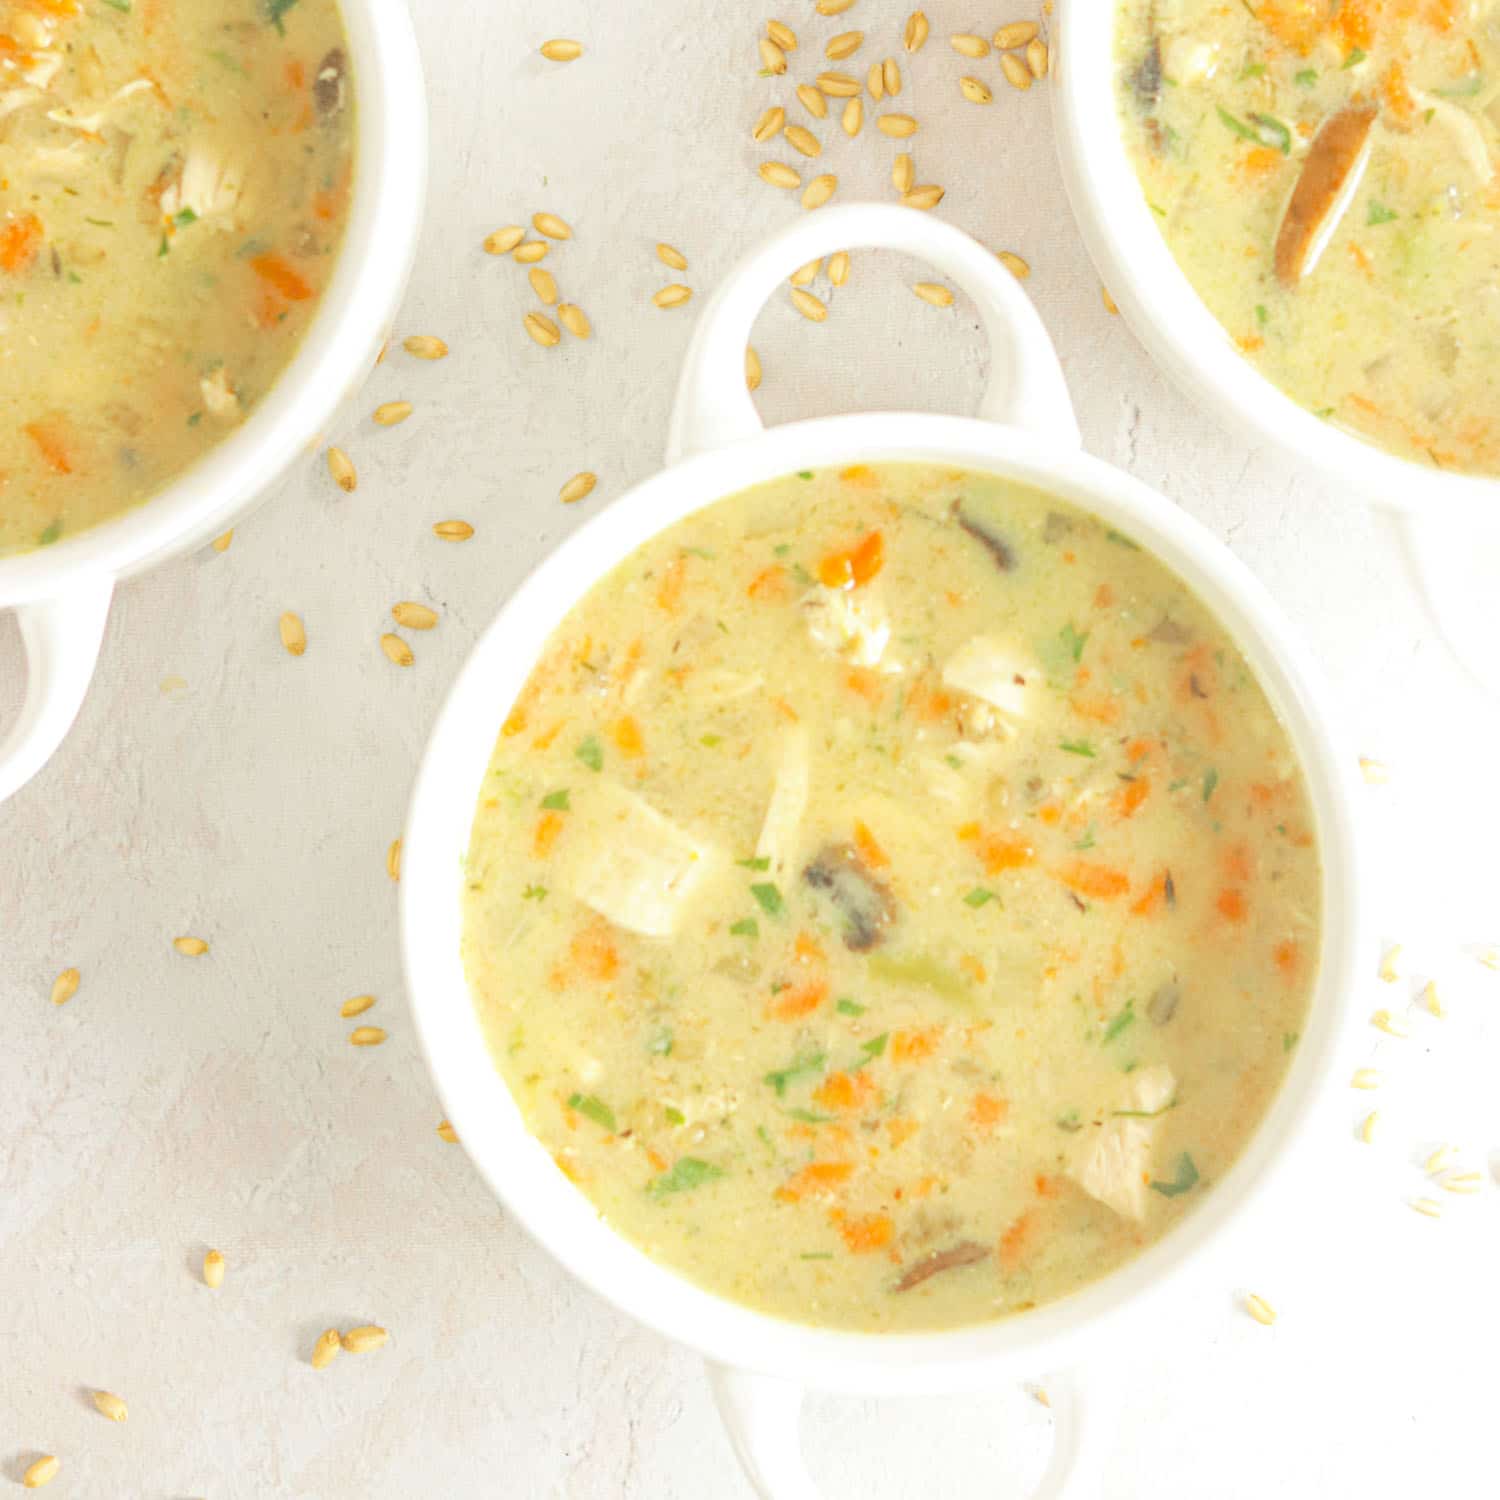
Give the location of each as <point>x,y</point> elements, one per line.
<point>534,893</point>
<point>1070,1122</point>
<point>99,223</point>
<point>123,6</point>
<point>183,217</point>
<point>809,1117</point>
<point>816,1255</point>
<point>164,248</point>
<point>1289,1039</point>
<point>804,1065</point>
<point>1077,747</point>
<point>1210,781</point>
<point>1379,213</point>
<point>557,801</point>
<point>1261,315</point>
<point>1073,642</point>
<point>687,1173</point>
<point>745,927</point>
<point>754,863</point>
<point>1252,70</point>
<point>1306,78</point>
<point>876,1045</point>
<point>711,741</point>
<point>768,898</point>
<point>1123,1019</point>
<point>850,1008</point>
<point>659,1043</point>
<point>978,897</point>
<point>1238,126</point>
<point>194,418</point>
<point>804,473</point>
<point>1355,58</point>
<point>594,1109</point>
<point>51,534</point>
<point>275,11</point>
<point>1273,132</point>
<point>591,753</point>
<point>1186,1177</point>
<point>674,1116</point>
<point>1121,540</point>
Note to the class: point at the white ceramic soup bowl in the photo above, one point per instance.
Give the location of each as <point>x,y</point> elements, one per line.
<point>61,594</point>
<point>717,446</point>
<point>1450,520</point>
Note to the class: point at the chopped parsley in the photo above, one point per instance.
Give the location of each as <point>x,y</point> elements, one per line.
<point>753,864</point>
<point>557,801</point>
<point>534,893</point>
<point>1379,213</point>
<point>849,1008</point>
<point>1077,747</point>
<point>688,1172</point>
<point>1072,641</point>
<point>674,1116</point>
<point>979,896</point>
<point>1355,58</point>
<point>1210,781</point>
<point>804,1065</point>
<point>275,11</point>
<point>591,753</point>
<point>745,927</point>
<point>768,898</point>
<point>1186,1177</point>
<point>659,1044</point>
<point>1123,1019</point>
<point>1306,78</point>
<point>594,1109</point>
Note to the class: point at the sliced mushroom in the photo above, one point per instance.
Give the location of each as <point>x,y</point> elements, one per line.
<point>1162,1005</point>
<point>1325,188</point>
<point>865,904</point>
<point>329,85</point>
<point>996,545</point>
<point>965,1253</point>
<point>1146,79</point>
<point>1170,633</point>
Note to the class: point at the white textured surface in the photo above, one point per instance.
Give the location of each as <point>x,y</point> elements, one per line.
<point>215,785</point>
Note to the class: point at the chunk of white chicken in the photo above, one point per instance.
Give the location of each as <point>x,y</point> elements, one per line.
<point>1112,1161</point>
<point>1465,132</point>
<point>630,864</point>
<point>849,622</point>
<point>991,670</point>
<point>781,830</point>
<point>219,399</point>
<point>209,186</point>
<point>1187,60</point>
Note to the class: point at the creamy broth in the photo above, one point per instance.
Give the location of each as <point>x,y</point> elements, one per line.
<point>174,181</point>
<point>1328,178</point>
<point>892,900</point>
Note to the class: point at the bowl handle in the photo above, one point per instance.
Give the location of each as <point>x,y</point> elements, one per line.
<point>1456,567</point>
<point>762,1413</point>
<point>1026,386</point>
<point>61,637</point>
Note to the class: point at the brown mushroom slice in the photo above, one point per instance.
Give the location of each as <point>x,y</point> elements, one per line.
<point>965,1253</point>
<point>1329,179</point>
<point>865,905</point>
<point>998,548</point>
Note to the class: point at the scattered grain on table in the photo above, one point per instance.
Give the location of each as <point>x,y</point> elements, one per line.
<point>111,1406</point>
<point>190,947</point>
<point>341,467</point>
<point>396,650</point>
<point>293,633</point>
<point>562,49</point>
<point>578,487</point>
<point>425,346</point>
<point>65,986</point>
<point>552,226</point>
<point>503,241</point>
<point>364,1338</point>
<point>670,255</point>
<point>574,319</point>
<point>213,1269</point>
<point>367,1036</point>
<point>356,1005</point>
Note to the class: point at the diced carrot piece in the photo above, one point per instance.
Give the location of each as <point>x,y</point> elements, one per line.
<point>569,1168</point>
<point>1100,710</point>
<point>1047,1187</point>
<point>855,566</point>
<point>845,1091</point>
<point>987,1110</point>
<point>865,683</point>
<point>869,848</point>
<point>1232,904</point>
<point>769,583</point>
<point>971,968</point>
<point>1104,596</point>
<point>50,444</point>
<point>867,1234</point>
<point>1260,161</point>
<point>968,832</point>
<point>999,853</point>
<point>1288,957</point>
<point>930,704</point>
<point>861,474</point>
<point>278,272</point>
<point>20,239</point>
<point>1050,813</point>
<point>548,827</point>
<point>515,722</point>
<point>901,1129</point>
<point>1013,1242</point>
<point>808,949</point>
<point>1137,750</point>
<point>798,1000</point>
<point>1097,881</point>
<point>1237,861</point>
<point>1152,897</point>
<point>547,736</point>
<point>673,581</point>
<point>593,953</point>
<point>914,1046</point>
<point>627,735</point>
<point>818,1177</point>
<point>1129,795</point>
<point>785,709</point>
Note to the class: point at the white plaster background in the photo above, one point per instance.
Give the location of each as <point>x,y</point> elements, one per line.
<point>215,785</point>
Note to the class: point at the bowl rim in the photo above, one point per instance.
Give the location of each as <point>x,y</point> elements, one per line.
<point>1169,318</point>
<point>515,1165</point>
<point>337,350</point>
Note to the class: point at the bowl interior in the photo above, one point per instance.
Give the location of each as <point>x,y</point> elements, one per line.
<point>437,836</point>
<point>338,351</point>
<point>1166,314</point>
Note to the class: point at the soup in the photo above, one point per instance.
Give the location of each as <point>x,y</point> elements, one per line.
<point>893,901</point>
<point>1326,177</point>
<point>174,188</point>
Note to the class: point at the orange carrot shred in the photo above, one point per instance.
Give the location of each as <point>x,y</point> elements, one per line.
<point>819,1177</point>
<point>867,1234</point>
<point>869,848</point>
